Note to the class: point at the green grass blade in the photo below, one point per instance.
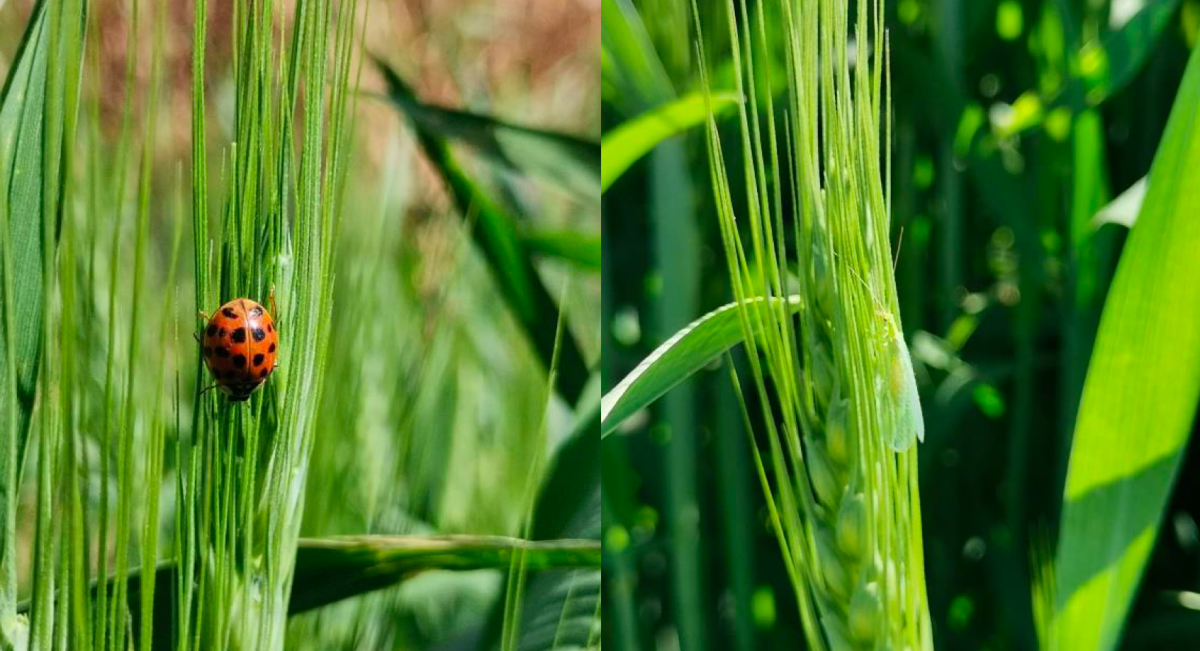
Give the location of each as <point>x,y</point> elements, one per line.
<point>580,249</point>
<point>631,72</point>
<point>21,120</point>
<point>495,233</point>
<point>331,569</point>
<point>688,351</point>
<point>626,144</point>
<point>339,567</point>
<point>566,161</point>
<point>37,117</point>
<point>1139,398</point>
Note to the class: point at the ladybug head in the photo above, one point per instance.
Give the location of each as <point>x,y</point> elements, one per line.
<point>239,392</point>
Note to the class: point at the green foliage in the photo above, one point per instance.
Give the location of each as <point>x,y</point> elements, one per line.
<point>842,411</point>
<point>569,162</point>
<point>159,515</point>
<point>1142,378</point>
<point>37,125</point>
<point>495,233</point>
<point>1013,124</point>
<point>560,609</point>
<point>627,143</point>
<point>331,569</point>
<point>685,353</point>
<point>571,246</point>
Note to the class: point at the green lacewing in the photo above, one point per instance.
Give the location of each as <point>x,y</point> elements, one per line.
<point>899,401</point>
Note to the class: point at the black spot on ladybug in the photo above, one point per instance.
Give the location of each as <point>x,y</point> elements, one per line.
<point>207,351</point>
<point>228,312</point>
<point>256,311</point>
<point>258,359</point>
<point>270,328</point>
<point>238,336</point>
<point>262,373</point>
<point>239,360</point>
<point>212,329</point>
<point>220,333</point>
<point>272,348</point>
<point>222,351</point>
<point>259,335</point>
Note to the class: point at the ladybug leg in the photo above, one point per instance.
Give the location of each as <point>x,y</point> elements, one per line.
<point>204,319</point>
<point>207,389</point>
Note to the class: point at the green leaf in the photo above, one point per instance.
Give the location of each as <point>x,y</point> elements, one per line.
<point>631,74</point>
<point>580,249</point>
<point>331,569</point>
<point>1140,396</point>
<point>624,145</point>
<point>1102,68</point>
<point>568,505</point>
<point>567,161</point>
<point>21,118</point>
<point>688,351</point>
<point>38,106</point>
<point>340,567</point>
<point>496,235</point>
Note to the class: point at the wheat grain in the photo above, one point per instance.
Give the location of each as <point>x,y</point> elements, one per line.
<point>842,409</point>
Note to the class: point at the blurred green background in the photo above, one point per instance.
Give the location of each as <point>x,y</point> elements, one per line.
<point>1015,124</point>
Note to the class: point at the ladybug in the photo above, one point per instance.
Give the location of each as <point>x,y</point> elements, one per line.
<point>240,344</point>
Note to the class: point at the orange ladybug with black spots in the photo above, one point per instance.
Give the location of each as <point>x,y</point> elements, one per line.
<point>240,344</point>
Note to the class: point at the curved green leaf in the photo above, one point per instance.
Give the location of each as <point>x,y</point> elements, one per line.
<point>495,233</point>
<point>38,105</point>
<point>580,249</point>
<point>331,569</point>
<point>567,161</point>
<point>336,568</point>
<point>688,351</point>
<point>1140,397</point>
<point>21,118</point>
<point>623,146</point>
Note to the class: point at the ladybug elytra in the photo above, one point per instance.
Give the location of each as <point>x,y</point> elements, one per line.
<point>239,344</point>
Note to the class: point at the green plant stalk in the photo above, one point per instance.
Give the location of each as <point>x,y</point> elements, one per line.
<point>64,29</point>
<point>239,496</point>
<point>843,413</point>
<point>515,587</point>
<point>8,569</point>
<point>104,617</point>
<point>74,565</point>
<point>42,624</point>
